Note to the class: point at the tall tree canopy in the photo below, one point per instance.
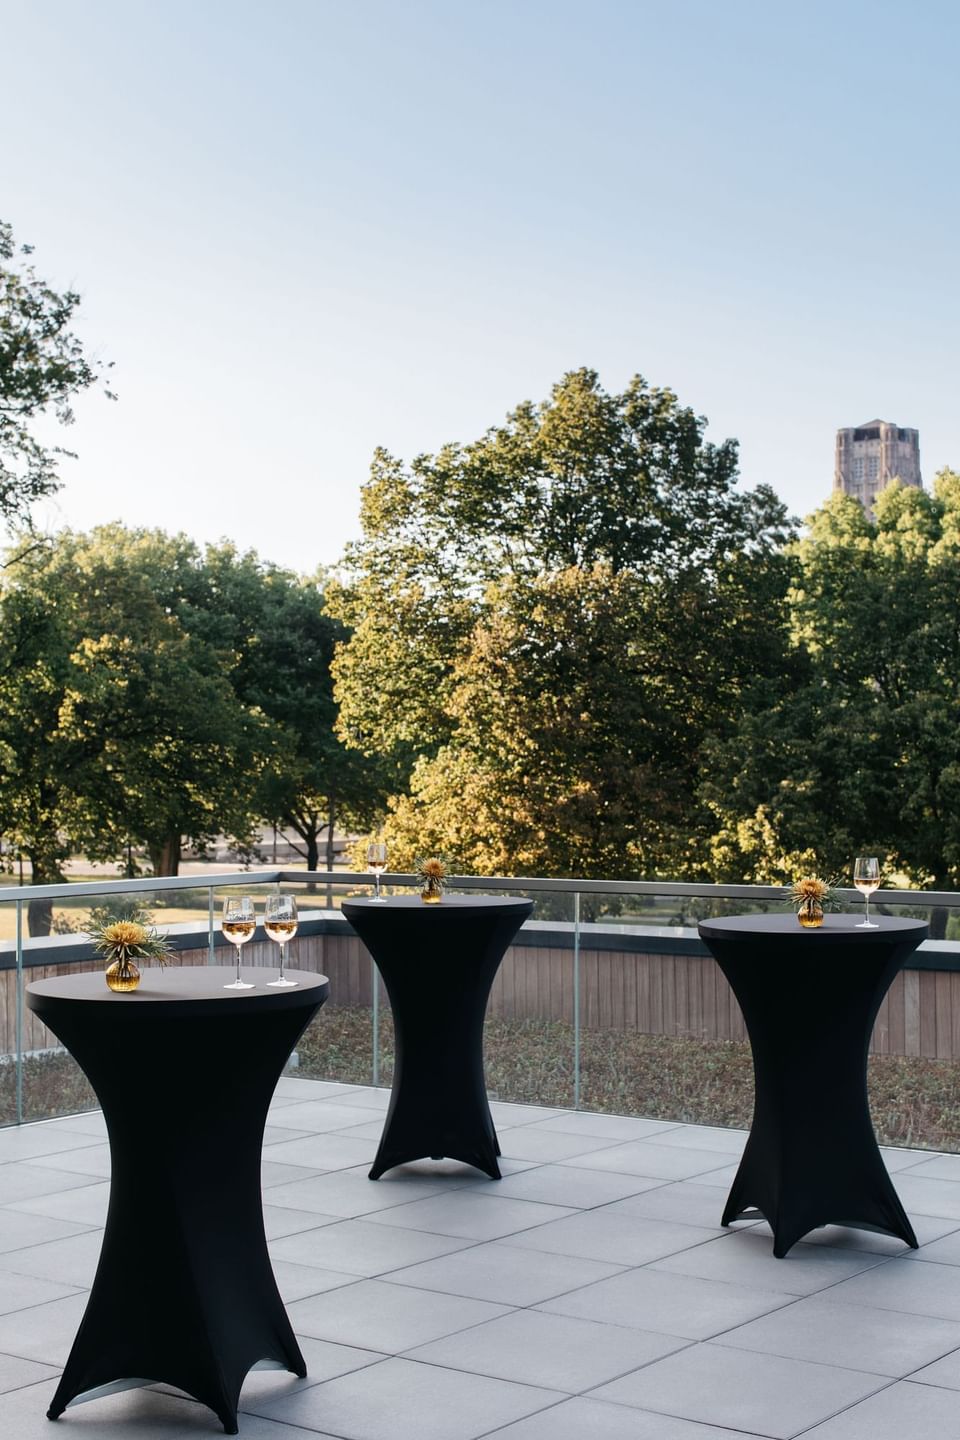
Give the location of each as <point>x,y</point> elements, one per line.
<point>858,746</point>
<point>42,369</point>
<point>153,694</point>
<point>546,624</point>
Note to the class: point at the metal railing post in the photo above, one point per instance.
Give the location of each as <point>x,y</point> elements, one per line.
<point>211,950</point>
<point>576,1001</point>
<point>19,1041</point>
<point>375,980</point>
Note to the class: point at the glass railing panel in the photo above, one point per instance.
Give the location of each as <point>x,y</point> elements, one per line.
<point>338,1043</point>
<point>660,1034</point>
<point>529,1035</point>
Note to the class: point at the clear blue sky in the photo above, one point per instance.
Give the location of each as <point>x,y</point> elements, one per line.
<point>305,229</point>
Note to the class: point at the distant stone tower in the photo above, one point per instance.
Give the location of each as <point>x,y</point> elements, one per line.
<point>872,455</point>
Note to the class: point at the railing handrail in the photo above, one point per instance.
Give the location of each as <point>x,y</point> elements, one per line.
<point>565,885</point>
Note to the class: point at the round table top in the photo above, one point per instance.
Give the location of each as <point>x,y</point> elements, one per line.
<point>449,904</point>
<point>180,990</point>
<point>834,927</point>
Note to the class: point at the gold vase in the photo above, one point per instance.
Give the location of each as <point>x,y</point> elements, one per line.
<point>123,975</point>
<point>810,914</point>
<point>431,892</point>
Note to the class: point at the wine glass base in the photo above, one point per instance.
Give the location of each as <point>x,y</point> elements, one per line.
<point>866,925</point>
<point>287,984</point>
<point>378,900</point>
<point>239,985</point>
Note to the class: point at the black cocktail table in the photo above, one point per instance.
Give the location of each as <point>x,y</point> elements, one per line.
<point>438,963</point>
<point>185,1071</point>
<point>809,999</point>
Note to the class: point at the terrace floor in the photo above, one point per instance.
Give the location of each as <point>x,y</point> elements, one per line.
<point>590,1295</point>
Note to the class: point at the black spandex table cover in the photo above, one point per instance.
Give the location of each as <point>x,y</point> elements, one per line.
<point>438,963</point>
<point>185,1071</point>
<point>809,999</point>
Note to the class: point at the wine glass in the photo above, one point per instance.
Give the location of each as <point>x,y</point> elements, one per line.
<point>377,861</point>
<point>280,923</point>
<point>238,923</point>
<point>866,877</point>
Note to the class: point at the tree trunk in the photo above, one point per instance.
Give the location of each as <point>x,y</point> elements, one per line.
<point>330,824</point>
<point>165,855</point>
<point>40,912</point>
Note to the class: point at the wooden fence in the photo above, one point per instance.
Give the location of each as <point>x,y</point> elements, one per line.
<point>630,989</point>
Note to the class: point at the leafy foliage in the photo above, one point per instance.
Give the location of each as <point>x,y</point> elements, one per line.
<point>42,368</point>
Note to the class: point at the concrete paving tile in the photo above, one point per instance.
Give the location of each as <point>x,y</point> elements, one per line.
<point>609,1127</point>
<point>668,1304</point>
<point>71,1261</point>
<point>944,1251</point>
<point>284,1135</point>
<point>349,1193</point>
<point>290,1087</point>
<point>28,1182</point>
<point>944,1372</point>
<point>324,1362</point>
<point>20,1292</point>
<point>369,1130</point>
<point>402,1400</point>
<point>272,1174</point>
<point>935,1167</point>
<point>686,1202</point>
<point>372,1315</point>
<point>148,1413</point>
<point>554,1351</point>
<point>617,1239</point>
<point>746,1258</point>
<point>87,1160</point>
<point>315,1116</point>
<point>324,1152</point>
<point>925,1196</point>
<point>587,1419</point>
<point>296,1282</point>
<point>762,1394</point>
<point>926,1227</point>
<point>706,1137</point>
<point>84,1203</point>
<point>280,1220</point>
<point>563,1185</point>
<point>646,1157</point>
<point>901,1412</point>
<point>44,1332</point>
<point>365,1097</point>
<point>19,1229</point>
<point>503,1274</point>
<point>901,1284</point>
<point>509,1115</point>
<point>359,1248</point>
<point>470,1214</point>
<point>88,1122</point>
<point>895,1158</point>
<point>29,1142</point>
<point>534,1142</point>
<point>881,1342</point>
<point>15,1373</point>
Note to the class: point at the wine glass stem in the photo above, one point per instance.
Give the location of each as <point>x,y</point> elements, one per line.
<point>238,964</point>
<point>866,901</point>
<point>376,881</point>
<point>281,962</point>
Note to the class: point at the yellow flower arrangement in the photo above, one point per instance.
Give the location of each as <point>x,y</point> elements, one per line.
<point>811,896</point>
<point>432,875</point>
<point>123,942</point>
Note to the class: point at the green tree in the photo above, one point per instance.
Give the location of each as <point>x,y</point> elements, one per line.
<point>42,369</point>
<point>283,640</point>
<point>548,623</point>
<point>117,726</point>
<point>859,749</point>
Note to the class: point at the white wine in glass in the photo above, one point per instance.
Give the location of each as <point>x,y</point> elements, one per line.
<point>238,924</point>
<point>280,923</point>
<point>866,877</point>
<point>377,861</point>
